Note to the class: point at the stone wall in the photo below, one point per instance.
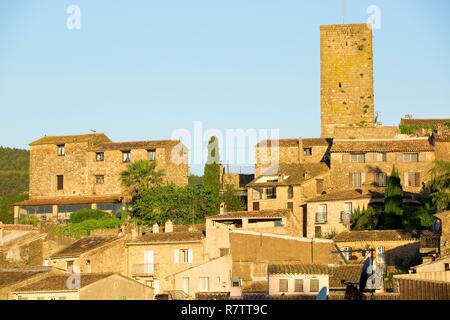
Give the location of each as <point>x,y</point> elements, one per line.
<point>366,132</point>
<point>347,95</point>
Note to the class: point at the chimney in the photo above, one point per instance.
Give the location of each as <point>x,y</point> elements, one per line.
<point>300,150</point>
<point>1,234</point>
<point>169,226</point>
<point>134,234</point>
<point>155,228</point>
<point>222,208</point>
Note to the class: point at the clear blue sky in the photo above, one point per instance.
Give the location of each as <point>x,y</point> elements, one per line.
<point>141,69</point>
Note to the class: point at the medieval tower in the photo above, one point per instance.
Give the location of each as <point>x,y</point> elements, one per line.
<point>346,69</point>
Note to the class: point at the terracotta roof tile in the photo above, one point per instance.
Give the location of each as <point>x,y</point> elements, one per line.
<point>68,200</point>
<point>256,287</point>
<point>346,272</point>
<point>346,195</point>
<point>124,146</point>
<point>298,269</point>
<point>307,142</point>
<point>388,145</point>
<point>375,235</point>
<point>83,245</point>
<point>59,282</point>
<point>94,138</point>
<point>279,213</point>
<point>167,237</point>
<point>12,276</point>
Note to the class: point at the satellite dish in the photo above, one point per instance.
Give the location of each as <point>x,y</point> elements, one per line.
<point>322,294</point>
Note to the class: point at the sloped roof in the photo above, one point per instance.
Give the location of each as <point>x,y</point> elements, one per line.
<point>83,245</point>
<point>293,174</point>
<point>278,213</point>
<point>167,237</point>
<point>424,122</point>
<point>12,276</point>
<point>256,287</point>
<point>287,268</point>
<point>381,145</point>
<point>59,282</point>
<point>345,195</point>
<point>443,135</point>
<point>93,138</point>
<point>124,146</point>
<point>375,235</point>
<point>68,200</point>
<point>307,142</point>
<point>350,272</point>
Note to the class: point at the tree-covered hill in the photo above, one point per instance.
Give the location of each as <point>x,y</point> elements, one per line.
<point>13,179</point>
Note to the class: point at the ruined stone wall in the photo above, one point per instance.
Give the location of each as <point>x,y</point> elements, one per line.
<point>347,95</point>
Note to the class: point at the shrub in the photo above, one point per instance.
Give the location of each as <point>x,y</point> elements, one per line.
<point>87,214</point>
<point>33,220</point>
<point>84,228</point>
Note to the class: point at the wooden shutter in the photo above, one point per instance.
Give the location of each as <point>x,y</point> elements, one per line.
<point>417,179</point>
<point>406,179</point>
<point>190,256</point>
<point>176,256</point>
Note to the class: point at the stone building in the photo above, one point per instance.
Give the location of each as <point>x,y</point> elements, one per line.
<point>68,173</point>
<point>346,71</point>
<point>11,279</point>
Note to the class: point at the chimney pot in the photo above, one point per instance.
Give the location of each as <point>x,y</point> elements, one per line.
<point>222,208</point>
<point>155,228</point>
<point>168,226</point>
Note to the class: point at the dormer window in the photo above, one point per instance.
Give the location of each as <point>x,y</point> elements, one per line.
<point>61,150</point>
<point>152,154</point>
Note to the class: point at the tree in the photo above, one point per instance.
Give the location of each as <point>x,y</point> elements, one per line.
<point>211,178</point>
<point>439,185</point>
<point>141,175</point>
<point>232,201</point>
<point>393,202</point>
<point>366,219</point>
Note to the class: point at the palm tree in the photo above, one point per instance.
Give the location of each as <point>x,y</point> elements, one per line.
<point>439,184</point>
<point>141,175</point>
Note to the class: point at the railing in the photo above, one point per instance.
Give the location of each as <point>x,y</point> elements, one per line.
<point>346,216</point>
<point>321,217</point>
<point>146,269</point>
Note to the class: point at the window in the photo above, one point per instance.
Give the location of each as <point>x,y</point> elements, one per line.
<point>186,285</point>
<point>152,154</point>
<point>236,282</point>
<point>380,179</point>
<point>290,205</point>
<point>321,215</point>
<point>412,179</point>
<point>257,194</point>
<point>446,266</point>
<point>307,151</point>
<point>318,232</point>
<point>411,157</point>
<point>60,182</point>
<point>319,186</point>
<point>69,266</point>
<point>314,285</point>
<point>100,156</point>
<point>284,285</point>
<point>204,284</point>
<point>358,157</point>
<point>380,254</point>
<point>381,157</point>
<point>61,150</point>
<point>298,285</point>
<point>184,256</point>
<point>347,253</point>
<point>290,192</point>
<point>100,179</point>
<point>255,206</point>
<point>271,193</point>
<point>356,179</point>
<point>126,156</point>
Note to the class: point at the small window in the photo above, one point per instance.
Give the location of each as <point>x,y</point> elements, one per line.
<point>347,253</point>
<point>381,157</point>
<point>184,255</point>
<point>69,266</point>
<point>340,84</point>
<point>380,179</point>
<point>61,150</point>
<point>307,151</point>
<point>447,266</point>
<point>314,285</point>
<point>358,157</point>
<point>152,154</point>
<point>413,179</point>
<point>255,206</point>
<point>298,285</point>
<point>290,192</point>
<point>204,284</point>
<point>236,282</point>
<point>100,179</point>
<point>284,285</point>
<point>411,157</point>
<point>60,182</point>
<point>257,194</point>
<point>271,193</point>
<point>290,205</point>
<point>356,179</point>
<point>380,254</point>
<point>126,156</point>
<point>100,156</point>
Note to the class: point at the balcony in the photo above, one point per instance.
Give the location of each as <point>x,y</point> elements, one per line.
<point>144,270</point>
<point>321,217</point>
<point>346,217</point>
<point>429,244</point>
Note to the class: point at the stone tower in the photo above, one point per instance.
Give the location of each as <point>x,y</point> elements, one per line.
<point>346,68</point>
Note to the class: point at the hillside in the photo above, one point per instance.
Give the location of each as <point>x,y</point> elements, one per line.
<point>13,179</point>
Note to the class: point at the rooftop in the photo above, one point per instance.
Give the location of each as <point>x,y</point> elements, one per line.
<point>375,235</point>
<point>68,200</point>
<point>424,122</point>
<point>83,245</point>
<point>308,142</point>
<point>12,276</point>
<point>94,138</point>
<point>278,213</point>
<point>382,145</point>
<point>346,195</point>
<point>168,237</point>
<point>59,282</point>
<point>124,146</point>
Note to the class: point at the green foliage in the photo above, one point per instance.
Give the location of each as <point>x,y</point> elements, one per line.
<point>84,228</point>
<point>393,202</point>
<point>87,214</point>
<point>439,185</point>
<point>366,219</point>
<point>182,205</point>
<point>14,164</point>
<point>141,175</point>
<point>233,202</point>
<point>33,220</point>
<point>412,129</point>
<point>194,180</point>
